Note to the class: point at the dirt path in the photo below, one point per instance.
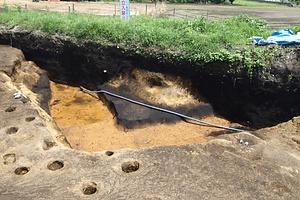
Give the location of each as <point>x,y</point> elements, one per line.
<point>89,126</point>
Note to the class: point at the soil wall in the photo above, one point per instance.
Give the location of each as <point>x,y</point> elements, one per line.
<point>257,102</point>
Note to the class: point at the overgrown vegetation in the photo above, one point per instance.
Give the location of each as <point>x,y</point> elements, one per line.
<point>196,40</point>
<point>297,2</point>
<point>262,3</point>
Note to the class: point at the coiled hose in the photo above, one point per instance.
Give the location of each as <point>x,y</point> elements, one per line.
<point>161,109</point>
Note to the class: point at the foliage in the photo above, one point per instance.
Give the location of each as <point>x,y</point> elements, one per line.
<point>231,1</point>
<point>218,1</point>
<point>239,2</point>
<point>260,3</point>
<point>197,40</point>
<point>296,29</point>
<point>297,2</point>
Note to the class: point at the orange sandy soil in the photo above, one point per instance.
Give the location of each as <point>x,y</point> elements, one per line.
<point>89,126</point>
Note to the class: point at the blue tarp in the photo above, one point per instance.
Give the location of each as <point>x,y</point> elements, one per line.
<point>282,37</point>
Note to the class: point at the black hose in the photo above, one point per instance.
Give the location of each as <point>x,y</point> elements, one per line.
<point>161,109</point>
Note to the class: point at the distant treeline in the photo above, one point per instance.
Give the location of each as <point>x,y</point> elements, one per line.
<point>172,1</point>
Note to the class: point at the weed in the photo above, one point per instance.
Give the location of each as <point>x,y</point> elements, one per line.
<point>197,40</point>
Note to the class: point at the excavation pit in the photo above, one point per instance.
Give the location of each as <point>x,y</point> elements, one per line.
<point>21,170</point>
<point>248,169</point>
<point>90,189</point>
<point>219,94</point>
<point>90,124</point>
<point>56,165</point>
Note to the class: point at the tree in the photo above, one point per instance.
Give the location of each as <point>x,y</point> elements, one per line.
<point>218,1</point>
<point>297,2</point>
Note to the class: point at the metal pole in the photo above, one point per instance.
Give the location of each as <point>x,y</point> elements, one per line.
<point>174,12</point>
<point>73,7</point>
<point>146,9</point>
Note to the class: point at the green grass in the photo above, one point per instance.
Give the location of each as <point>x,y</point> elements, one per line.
<point>252,3</point>
<point>196,40</point>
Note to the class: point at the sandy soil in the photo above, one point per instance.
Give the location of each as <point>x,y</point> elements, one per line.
<point>89,126</point>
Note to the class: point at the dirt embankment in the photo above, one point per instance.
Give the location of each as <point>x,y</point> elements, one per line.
<point>256,103</point>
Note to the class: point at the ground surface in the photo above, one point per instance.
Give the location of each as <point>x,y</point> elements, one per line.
<point>279,17</point>
<point>35,165</point>
<point>76,114</point>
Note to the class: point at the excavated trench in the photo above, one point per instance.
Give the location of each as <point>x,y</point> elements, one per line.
<point>176,86</point>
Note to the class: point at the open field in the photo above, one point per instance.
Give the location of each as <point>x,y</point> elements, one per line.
<point>277,17</point>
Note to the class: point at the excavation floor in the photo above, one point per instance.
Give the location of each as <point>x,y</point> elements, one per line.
<point>89,126</point>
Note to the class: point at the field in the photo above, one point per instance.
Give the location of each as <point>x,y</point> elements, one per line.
<point>277,17</point>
